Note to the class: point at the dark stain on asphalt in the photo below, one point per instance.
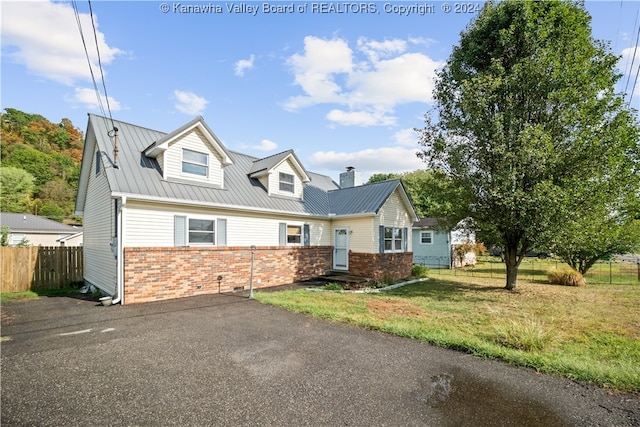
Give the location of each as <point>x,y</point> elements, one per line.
<point>463,399</point>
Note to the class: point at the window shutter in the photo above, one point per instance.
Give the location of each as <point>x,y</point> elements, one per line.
<point>283,234</point>
<point>306,235</point>
<point>405,239</point>
<point>222,232</point>
<point>180,230</point>
<point>381,238</point>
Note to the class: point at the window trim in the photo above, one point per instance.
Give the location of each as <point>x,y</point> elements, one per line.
<point>402,239</point>
<point>194,163</point>
<point>298,236</point>
<point>430,238</point>
<point>284,182</point>
<point>189,231</point>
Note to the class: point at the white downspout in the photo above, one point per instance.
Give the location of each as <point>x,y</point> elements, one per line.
<point>120,257</point>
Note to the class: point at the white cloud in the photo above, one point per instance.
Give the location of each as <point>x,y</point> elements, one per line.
<point>44,37</point>
<point>375,49</point>
<point>361,118</point>
<point>89,99</point>
<point>629,72</point>
<point>189,102</point>
<point>329,72</point>
<point>244,64</point>
<point>316,69</point>
<point>406,137</point>
<point>265,145</point>
<point>369,161</point>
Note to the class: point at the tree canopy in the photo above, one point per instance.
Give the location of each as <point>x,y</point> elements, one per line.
<point>526,120</point>
<point>50,154</point>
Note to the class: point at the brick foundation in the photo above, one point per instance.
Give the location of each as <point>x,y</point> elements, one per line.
<point>391,266</point>
<point>154,274</point>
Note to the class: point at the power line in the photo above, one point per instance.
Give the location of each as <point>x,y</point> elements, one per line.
<point>104,86</point>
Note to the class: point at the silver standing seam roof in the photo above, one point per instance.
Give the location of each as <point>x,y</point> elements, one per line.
<point>140,176</point>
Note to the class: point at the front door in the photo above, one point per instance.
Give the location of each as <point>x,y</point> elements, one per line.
<point>341,249</point>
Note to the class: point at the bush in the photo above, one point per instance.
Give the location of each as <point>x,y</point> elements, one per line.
<point>566,277</point>
<point>419,271</point>
<point>333,287</point>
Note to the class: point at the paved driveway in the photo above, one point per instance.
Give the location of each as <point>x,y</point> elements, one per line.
<point>225,360</point>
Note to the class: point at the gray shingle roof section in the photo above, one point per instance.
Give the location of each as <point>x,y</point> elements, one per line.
<point>361,199</point>
<point>28,223</point>
<point>139,175</point>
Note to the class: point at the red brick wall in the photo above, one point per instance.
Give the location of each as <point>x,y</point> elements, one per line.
<point>390,266</point>
<point>154,274</point>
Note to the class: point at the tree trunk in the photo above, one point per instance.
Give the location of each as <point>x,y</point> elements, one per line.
<point>511,262</point>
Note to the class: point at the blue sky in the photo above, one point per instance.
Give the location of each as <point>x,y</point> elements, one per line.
<point>343,84</point>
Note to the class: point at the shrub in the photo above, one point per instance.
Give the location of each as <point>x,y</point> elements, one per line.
<point>333,287</point>
<point>566,277</point>
<point>419,271</point>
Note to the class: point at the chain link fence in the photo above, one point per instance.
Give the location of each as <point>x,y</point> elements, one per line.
<point>619,270</point>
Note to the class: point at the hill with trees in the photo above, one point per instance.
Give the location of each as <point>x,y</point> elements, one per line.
<point>40,165</point>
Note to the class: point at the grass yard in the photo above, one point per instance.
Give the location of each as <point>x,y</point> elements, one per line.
<point>590,333</point>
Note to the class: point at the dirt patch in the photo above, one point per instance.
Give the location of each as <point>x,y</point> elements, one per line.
<point>384,308</point>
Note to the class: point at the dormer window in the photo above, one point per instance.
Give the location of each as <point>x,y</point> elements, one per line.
<point>286,182</point>
<point>195,163</point>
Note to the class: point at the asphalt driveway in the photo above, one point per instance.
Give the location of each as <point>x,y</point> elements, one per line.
<point>224,360</point>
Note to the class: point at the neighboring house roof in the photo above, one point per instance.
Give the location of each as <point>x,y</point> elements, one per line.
<point>28,223</point>
<point>139,176</point>
<point>426,222</point>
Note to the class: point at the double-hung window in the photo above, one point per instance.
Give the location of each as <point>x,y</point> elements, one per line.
<point>201,231</point>
<point>286,182</point>
<point>294,234</point>
<point>195,163</point>
<point>393,239</point>
<point>426,237</point>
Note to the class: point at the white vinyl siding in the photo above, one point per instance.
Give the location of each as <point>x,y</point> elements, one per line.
<point>99,230</point>
<point>172,160</point>
<point>395,213</point>
<point>362,236</point>
<point>150,225</point>
<point>274,180</point>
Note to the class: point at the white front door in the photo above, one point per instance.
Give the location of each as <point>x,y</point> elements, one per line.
<point>341,249</point>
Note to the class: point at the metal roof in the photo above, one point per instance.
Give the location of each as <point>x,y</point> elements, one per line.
<point>361,199</point>
<point>28,223</point>
<point>140,176</point>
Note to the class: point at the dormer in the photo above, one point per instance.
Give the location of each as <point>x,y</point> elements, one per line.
<point>281,174</point>
<point>192,152</point>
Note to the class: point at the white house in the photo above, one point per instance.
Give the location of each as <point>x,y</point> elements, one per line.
<point>178,214</point>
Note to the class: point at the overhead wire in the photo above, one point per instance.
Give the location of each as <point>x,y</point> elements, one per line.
<point>104,86</point>
<point>93,78</point>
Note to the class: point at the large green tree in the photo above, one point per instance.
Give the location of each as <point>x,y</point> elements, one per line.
<point>525,114</point>
<point>16,189</point>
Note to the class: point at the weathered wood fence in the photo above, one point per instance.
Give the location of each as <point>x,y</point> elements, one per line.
<point>39,267</point>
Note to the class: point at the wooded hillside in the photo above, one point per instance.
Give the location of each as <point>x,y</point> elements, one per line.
<point>40,165</point>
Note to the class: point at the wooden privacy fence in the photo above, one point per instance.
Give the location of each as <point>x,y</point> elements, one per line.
<point>40,267</point>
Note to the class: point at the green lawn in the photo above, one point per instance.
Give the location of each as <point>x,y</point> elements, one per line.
<point>588,333</point>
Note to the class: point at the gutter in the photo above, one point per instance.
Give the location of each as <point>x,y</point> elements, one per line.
<point>120,254</point>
